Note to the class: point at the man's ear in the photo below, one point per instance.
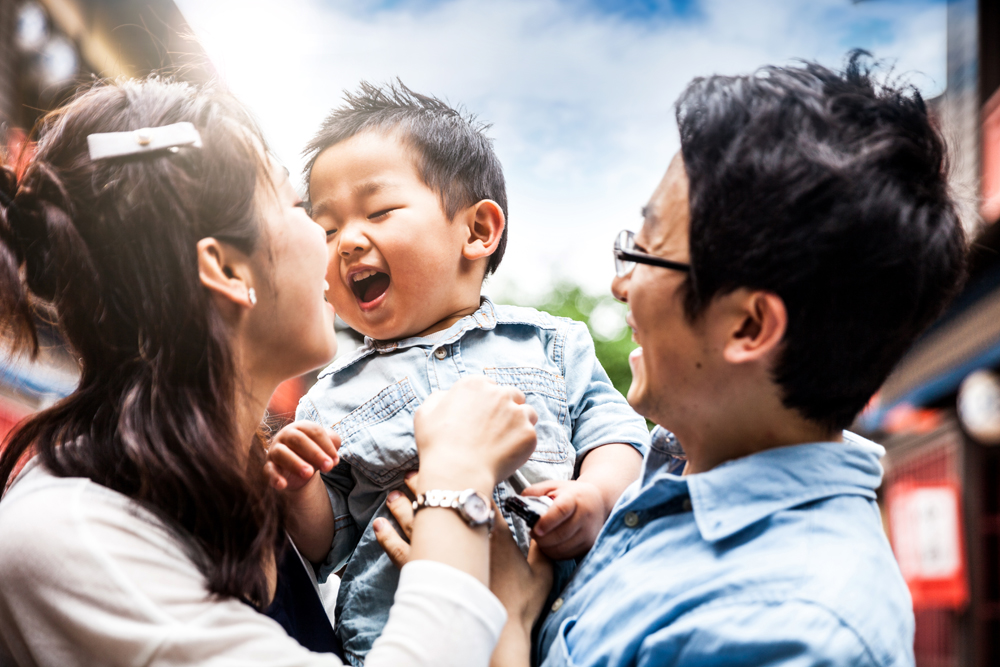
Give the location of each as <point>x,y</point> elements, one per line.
<point>757,328</point>
<point>226,273</point>
<point>486,224</point>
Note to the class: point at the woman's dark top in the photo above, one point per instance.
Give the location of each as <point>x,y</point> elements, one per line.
<point>297,607</point>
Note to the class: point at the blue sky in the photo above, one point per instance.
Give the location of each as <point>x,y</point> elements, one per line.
<point>579,92</point>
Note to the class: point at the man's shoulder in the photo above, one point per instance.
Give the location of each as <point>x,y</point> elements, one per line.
<point>833,564</point>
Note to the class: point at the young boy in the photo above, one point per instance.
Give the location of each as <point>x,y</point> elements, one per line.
<point>413,201</point>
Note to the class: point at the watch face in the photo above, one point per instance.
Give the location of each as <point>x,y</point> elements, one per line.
<point>476,509</point>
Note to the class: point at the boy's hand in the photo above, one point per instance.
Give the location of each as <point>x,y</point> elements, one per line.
<point>570,527</point>
<point>297,452</point>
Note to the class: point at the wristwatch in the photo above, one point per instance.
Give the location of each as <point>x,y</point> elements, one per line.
<point>475,508</point>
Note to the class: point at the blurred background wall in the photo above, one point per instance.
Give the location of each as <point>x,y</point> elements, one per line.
<point>48,50</point>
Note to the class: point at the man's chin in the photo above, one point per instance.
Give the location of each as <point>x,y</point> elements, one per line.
<point>637,390</point>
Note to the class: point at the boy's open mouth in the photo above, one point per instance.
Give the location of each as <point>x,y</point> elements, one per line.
<point>369,285</point>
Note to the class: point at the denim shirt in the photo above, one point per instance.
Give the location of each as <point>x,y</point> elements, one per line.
<point>778,558</point>
<point>370,396</point>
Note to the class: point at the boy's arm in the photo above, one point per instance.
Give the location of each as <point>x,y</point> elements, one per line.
<point>611,468</point>
<point>581,506</point>
<point>295,458</point>
<point>310,520</point>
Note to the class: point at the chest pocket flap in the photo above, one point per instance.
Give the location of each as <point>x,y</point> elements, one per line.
<point>377,437</point>
<point>546,393</point>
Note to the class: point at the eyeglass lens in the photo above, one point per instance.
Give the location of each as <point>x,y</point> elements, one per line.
<point>626,242</point>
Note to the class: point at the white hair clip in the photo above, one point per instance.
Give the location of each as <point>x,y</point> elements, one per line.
<point>146,140</point>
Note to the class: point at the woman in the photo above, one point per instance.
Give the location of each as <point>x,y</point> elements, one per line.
<point>188,281</point>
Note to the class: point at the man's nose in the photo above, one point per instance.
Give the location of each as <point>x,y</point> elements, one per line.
<point>619,288</point>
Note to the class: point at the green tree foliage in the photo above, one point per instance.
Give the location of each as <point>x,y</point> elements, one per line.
<point>601,315</point>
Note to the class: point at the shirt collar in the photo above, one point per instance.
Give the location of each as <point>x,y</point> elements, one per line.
<point>485,318</point>
<point>739,493</point>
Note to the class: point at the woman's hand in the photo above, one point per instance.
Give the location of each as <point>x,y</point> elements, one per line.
<point>521,585</point>
<point>473,435</point>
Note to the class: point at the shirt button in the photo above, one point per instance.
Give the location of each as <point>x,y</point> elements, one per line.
<point>557,605</point>
<point>440,353</point>
<point>631,519</point>
<point>687,505</point>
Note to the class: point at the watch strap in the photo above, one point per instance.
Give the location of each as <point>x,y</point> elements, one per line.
<point>455,500</point>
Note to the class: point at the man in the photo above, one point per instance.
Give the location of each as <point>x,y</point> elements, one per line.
<point>800,241</point>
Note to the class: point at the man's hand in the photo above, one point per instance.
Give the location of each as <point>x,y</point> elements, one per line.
<point>570,527</point>
<point>297,452</point>
<point>521,585</point>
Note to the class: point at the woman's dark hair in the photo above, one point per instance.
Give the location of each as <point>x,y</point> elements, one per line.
<point>830,190</point>
<point>454,156</point>
<point>110,247</point>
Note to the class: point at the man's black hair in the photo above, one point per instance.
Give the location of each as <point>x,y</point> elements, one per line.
<point>454,155</point>
<point>830,190</point>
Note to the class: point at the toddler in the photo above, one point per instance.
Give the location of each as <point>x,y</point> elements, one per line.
<point>413,201</point>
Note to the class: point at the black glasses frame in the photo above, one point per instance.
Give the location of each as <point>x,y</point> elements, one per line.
<point>623,257</point>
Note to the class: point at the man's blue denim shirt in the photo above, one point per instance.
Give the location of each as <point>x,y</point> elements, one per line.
<point>778,558</point>
<point>370,396</point>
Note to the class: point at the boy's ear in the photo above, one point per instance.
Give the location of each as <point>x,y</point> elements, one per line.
<point>486,224</point>
<point>757,324</point>
<point>226,273</point>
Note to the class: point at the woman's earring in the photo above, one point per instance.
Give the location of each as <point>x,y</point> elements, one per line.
<point>252,295</point>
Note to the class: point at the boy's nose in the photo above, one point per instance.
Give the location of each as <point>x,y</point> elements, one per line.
<point>352,241</point>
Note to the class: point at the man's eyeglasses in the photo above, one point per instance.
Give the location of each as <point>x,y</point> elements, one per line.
<point>626,256</point>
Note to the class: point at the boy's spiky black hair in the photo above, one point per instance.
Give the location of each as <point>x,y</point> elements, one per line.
<point>454,155</point>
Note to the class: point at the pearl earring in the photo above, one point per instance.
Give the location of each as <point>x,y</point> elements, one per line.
<point>252,295</point>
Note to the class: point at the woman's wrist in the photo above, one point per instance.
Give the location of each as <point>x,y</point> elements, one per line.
<point>455,476</point>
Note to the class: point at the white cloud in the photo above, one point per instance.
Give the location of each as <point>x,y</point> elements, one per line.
<point>581,103</point>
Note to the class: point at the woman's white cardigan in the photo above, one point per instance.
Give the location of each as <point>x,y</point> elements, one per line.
<point>87,578</point>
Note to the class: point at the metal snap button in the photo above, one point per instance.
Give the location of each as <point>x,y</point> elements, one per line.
<point>631,519</point>
<point>440,353</point>
<point>686,505</point>
<point>557,604</point>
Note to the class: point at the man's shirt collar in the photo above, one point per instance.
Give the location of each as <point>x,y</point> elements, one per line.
<point>739,493</point>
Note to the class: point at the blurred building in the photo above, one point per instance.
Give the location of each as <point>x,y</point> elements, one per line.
<point>48,49</point>
<point>938,414</point>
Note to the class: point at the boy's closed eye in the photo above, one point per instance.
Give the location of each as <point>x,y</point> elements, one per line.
<point>378,215</point>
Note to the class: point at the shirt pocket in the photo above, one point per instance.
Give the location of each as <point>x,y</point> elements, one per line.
<point>377,437</point>
<point>562,644</point>
<point>554,456</point>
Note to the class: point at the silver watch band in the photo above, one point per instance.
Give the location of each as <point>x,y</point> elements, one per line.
<point>474,508</point>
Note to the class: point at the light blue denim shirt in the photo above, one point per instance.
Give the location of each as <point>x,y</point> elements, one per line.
<point>778,558</point>
<point>370,396</point>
